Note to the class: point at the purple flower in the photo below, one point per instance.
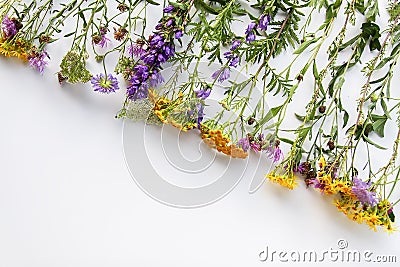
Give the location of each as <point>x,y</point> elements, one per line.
<point>104,84</point>
<point>178,34</point>
<point>275,153</point>
<point>137,91</point>
<point>235,44</point>
<point>250,27</point>
<point>200,114</point>
<point>155,79</point>
<point>255,146</point>
<point>316,184</point>
<point>169,9</point>
<point>136,50</point>
<point>38,61</point>
<point>361,190</point>
<point>222,74</point>
<point>250,37</point>
<point>104,41</point>
<point>169,23</point>
<point>244,144</point>
<point>264,22</point>
<point>234,61</point>
<point>8,27</point>
<point>232,58</point>
<point>203,94</point>
<point>157,41</point>
<point>250,32</point>
<point>301,168</point>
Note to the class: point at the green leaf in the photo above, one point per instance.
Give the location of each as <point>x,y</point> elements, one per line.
<point>69,34</point>
<point>373,143</point>
<point>304,45</point>
<point>199,4</point>
<point>379,124</point>
<point>345,118</point>
<point>152,2</point>
<point>271,114</point>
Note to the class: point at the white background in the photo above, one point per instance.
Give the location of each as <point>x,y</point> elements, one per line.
<point>67,198</point>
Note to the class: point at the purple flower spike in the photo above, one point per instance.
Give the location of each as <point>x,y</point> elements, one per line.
<point>361,190</point>
<point>38,61</point>
<point>235,61</point>
<point>264,22</point>
<point>222,74</point>
<point>250,32</point>
<point>104,84</point>
<point>203,94</point>
<point>8,27</point>
<point>235,44</point>
<point>169,9</point>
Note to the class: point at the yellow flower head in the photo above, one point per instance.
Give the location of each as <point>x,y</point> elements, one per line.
<point>18,48</point>
<point>288,181</point>
<point>221,142</point>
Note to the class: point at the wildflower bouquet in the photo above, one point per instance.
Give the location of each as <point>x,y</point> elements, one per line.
<point>333,146</point>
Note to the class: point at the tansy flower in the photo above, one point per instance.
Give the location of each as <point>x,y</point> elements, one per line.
<point>288,181</point>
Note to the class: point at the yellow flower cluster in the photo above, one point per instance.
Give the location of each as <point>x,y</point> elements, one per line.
<point>288,181</point>
<point>372,216</point>
<point>221,142</point>
<point>330,186</point>
<point>18,48</point>
<point>348,203</point>
<point>163,107</point>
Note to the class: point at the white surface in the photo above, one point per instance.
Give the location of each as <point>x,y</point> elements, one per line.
<point>67,198</point>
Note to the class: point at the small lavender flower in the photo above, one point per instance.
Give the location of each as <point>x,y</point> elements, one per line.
<point>136,50</point>
<point>8,27</point>
<point>169,9</point>
<point>235,45</point>
<point>264,22</point>
<point>203,93</point>
<point>104,84</point>
<point>250,32</point>
<point>222,74</point>
<point>362,191</point>
<point>244,144</point>
<point>38,61</point>
<point>274,152</point>
<point>155,79</point>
